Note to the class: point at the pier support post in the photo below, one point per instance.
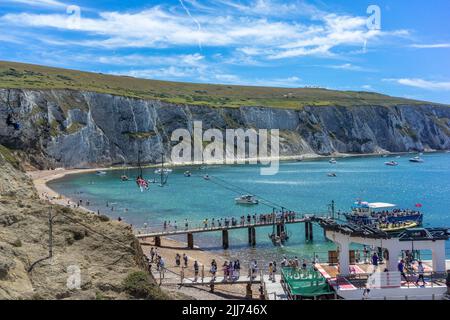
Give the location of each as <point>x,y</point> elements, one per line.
<point>248,291</point>
<point>280,229</point>
<point>306,231</point>
<point>225,239</point>
<point>253,236</point>
<point>158,241</point>
<point>190,240</point>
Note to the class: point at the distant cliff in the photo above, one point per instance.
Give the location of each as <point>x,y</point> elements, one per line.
<point>65,128</point>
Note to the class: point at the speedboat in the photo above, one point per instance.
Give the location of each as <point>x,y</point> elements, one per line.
<point>416,159</point>
<point>396,227</point>
<point>187,173</point>
<point>332,161</point>
<point>391,163</point>
<point>332,175</point>
<point>100,173</point>
<point>206,177</point>
<point>246,199</point>
<point>165,170</point>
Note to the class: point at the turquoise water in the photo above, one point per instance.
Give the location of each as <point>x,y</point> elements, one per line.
<point>300,186</point>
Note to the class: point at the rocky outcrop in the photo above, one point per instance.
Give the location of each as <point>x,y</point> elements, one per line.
<point>62,128</point>
<point>92,256</point>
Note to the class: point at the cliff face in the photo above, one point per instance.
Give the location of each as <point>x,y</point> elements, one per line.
<point>62,128</point>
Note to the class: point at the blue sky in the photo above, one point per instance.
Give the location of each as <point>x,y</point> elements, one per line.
<point>253,42</point>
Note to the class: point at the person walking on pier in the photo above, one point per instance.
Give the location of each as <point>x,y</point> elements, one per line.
<point>186,224</point>
<point>213,269</point>
<point>177,260</point>
<point>237,268</point>
<point>195,270</point>
<point>375,261</point>
<point>401,269</point>
<point>185,259</point>
<point>271,271</point>
<point>421,272</point>
<point>152,254</point>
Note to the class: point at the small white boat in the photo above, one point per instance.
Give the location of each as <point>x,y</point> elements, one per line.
<point>165,170</point>
<point>100,173</point>
<point>246,199</point>
<point>124,178</point>
<point>391,163</point>
<point>416,159</point>
<point>187,173</point>
<point>206,177</point>
<point>332,161</point>
<point>332,175</point>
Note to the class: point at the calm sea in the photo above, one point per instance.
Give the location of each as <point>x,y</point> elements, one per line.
<point>300,186</point>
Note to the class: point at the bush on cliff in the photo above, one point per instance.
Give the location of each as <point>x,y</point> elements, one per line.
<point>140,285</point>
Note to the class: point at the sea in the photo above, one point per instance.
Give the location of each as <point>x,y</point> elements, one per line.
<point>301,186</point>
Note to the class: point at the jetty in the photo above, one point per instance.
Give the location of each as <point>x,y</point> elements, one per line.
<point>279,224</point>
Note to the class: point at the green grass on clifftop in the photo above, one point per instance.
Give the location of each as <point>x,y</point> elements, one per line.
<point>27,76</point>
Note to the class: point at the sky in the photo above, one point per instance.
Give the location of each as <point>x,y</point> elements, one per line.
<point>399,48</point>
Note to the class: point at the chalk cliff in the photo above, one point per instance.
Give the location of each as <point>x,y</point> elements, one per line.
<point>65,128</point>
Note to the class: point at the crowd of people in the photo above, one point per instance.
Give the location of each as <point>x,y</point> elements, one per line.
<point>286,216</point>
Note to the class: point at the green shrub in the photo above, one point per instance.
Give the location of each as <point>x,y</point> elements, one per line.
<point>140,286</point>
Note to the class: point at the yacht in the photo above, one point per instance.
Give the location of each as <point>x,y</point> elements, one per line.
<point>165,170</point>
<point>416,159</point>
<point>246,199</point>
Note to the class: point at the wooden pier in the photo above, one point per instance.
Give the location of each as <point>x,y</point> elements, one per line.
<point>189,232</point>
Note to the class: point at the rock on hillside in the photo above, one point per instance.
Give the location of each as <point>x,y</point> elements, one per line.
<point>78,248</point>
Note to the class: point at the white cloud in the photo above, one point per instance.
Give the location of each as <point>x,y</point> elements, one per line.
<point>253,28</point>
<point>422,84</point>
<point>39,3</point>
<point>347,66</point>
<point>431,46</point>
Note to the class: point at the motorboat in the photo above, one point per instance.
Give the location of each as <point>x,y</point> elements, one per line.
<point>165,171</point>
<point>332,175</point>
<point>416,159</point>
<point>100,173</point>
<point>246,199</point>
<point>124,178</point>
<point>332,161</point>
<point>397,227</point>
<point>187,173</point>
<point>391,163</point>
<point>206,177</point>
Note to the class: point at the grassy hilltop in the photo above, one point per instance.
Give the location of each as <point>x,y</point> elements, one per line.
<point>27,76</point>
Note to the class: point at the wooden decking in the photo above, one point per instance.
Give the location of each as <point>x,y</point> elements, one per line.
<point>181,231</point>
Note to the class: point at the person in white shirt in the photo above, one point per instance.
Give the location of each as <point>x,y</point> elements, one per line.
<point>421,271</point>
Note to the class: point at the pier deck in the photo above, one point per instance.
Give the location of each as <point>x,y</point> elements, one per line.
<point>181,231</point>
